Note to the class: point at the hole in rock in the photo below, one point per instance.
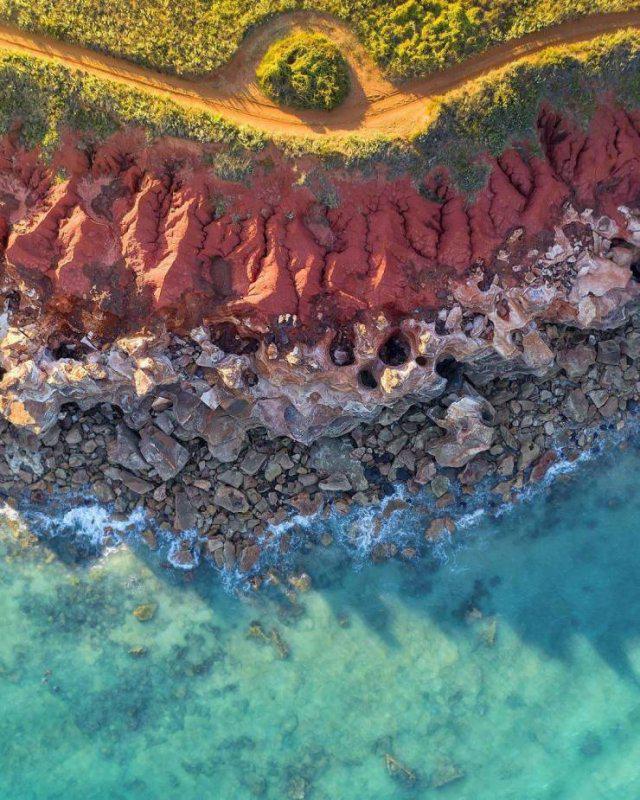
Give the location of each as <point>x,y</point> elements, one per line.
<point>395,351</point>
<point>487,279</point>
<point>228,339</point>
<point>449,368</point>
<point>421,361</point>
<point>634,264</point>
<point>367,379</point>
<point>250,377</point>
<point>341,350</point>
<point>3,372</point>
<point>12,301</point>
<point>66,350</point>
<point>486,416</point>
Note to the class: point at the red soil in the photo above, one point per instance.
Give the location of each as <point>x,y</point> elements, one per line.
<point>134,232</point>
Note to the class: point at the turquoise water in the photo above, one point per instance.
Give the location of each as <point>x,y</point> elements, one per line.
<point>507,669</point>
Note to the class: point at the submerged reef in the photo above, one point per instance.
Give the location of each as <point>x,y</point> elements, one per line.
<point>228,332</point>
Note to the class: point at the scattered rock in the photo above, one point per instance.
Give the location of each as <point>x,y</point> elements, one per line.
<point>576,406</point>
<point>185,514</point>
<point>231,499</point>
<point>136,484</point>
<point>542,466</point>
<point>609,351</point>
<point>124,450</point>
<point>335,483</point>
<point>160,451</point>
<point>252,462</point>
<point>249,557</point>
<point>576,361</point>
<point>440,485</point>
<point>439,527</point>
<point>467,423</point>
<point>145,612</point>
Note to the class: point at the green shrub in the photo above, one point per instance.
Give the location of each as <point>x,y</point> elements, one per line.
<point>304,70</point>
<point>482,117</point>
<point>406,37</point>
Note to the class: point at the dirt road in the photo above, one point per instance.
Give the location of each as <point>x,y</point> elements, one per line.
<point>375,105</point>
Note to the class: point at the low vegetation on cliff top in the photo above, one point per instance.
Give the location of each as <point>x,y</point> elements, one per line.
<point>485,116</point>
<point>304,70</point>
<point>406,37</point>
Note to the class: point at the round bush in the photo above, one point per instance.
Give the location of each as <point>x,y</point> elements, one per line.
<point>304,70</point>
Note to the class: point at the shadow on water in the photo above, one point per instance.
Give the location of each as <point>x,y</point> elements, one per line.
<point>561,566</point>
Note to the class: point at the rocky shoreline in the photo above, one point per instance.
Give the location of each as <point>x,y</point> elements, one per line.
<point>505,433</point>
<point>228,355</point>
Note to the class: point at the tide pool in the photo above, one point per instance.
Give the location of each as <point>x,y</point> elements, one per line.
<point>505,668</point>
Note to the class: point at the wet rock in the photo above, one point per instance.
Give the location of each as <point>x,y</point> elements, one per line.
<point>468,432</point>
<point>145,612</point>
<point>425,472</point>
<point>184,558</point>
<point>149,538</point>
<point>103,492</point>
<point>301,582</point>
<point>475,471</point>
<point>162,452</point>
<point>439,527</point>
<point>249,557</point>
<point>184,513</point>
<point>440,485</point>
<point>231,499</point>
<point>528,455</point>
<point>229,555</point>
<point>542,465</point>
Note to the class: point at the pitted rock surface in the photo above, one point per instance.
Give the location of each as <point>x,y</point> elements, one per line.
<point>140,278</point>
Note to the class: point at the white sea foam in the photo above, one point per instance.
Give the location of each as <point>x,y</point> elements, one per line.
<point>92,524</point>
<point>10,513</point>
<point>471,519</point>
<point>176,544</point>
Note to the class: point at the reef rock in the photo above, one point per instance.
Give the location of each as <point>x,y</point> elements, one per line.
<point>468,432</point>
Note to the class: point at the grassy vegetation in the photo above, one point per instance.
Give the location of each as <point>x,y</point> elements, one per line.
<point>483,117</point>
<point>47,99</point>
<point>406,37</point>
<point>304,70</point>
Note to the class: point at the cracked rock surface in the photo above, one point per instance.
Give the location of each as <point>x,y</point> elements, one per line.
<point>300,301</point>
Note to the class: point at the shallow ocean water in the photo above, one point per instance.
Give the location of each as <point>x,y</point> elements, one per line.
<point>507,669</point>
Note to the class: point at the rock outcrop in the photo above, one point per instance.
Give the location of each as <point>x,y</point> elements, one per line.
<point>133,276</point>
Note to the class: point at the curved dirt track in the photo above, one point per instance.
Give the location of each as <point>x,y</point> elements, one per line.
<point>375,105</point>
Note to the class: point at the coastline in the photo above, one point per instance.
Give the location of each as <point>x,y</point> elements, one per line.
<point>369,477</point>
